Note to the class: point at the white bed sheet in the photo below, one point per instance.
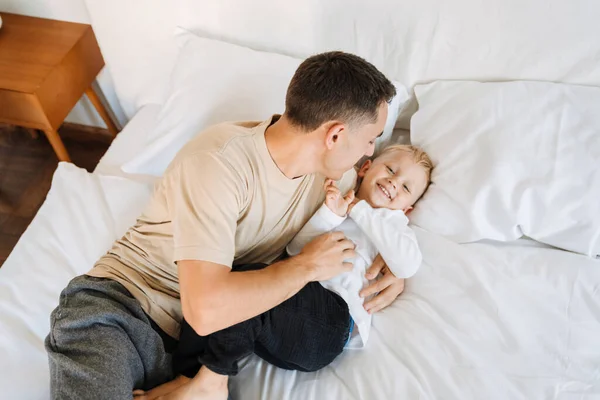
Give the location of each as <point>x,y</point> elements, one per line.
<point>480,321</point>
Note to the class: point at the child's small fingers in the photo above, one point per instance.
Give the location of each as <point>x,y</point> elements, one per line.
<point>349,197</point>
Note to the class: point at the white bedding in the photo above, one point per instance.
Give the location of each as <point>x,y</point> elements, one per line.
<point>77,223</point>
<point>480,321</point>
<point>487,320</point>
<point>412,41</point>
<point>81,217</point>
<point>129,142</point>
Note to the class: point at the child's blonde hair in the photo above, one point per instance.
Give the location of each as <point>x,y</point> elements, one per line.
<point>418,154</point>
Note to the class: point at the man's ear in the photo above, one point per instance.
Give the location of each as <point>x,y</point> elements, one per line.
<point>364,168</point>
<point>333,133</point>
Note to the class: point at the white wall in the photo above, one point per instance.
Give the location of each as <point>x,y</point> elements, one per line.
<point>74,11</point>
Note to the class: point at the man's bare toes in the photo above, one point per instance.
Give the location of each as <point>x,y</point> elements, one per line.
<point>139,395</point>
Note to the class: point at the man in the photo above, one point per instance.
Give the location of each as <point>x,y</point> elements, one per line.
<point>236,194</point>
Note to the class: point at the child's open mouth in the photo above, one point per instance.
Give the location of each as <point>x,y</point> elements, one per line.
<point>385,191</point>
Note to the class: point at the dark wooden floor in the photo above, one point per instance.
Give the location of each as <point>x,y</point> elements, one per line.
<point>26,168</point>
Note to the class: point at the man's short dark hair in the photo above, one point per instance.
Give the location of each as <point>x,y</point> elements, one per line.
<point>336,86</point>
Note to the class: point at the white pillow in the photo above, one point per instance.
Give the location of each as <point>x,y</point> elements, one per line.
<point>215,81</point>
<point>512,159</point>
<point>81,217</point>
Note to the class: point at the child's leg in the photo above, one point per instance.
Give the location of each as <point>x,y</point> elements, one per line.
<point>192,347</point>
<point>209,360</point>
<point>306,332</point>
<point>221,350</point>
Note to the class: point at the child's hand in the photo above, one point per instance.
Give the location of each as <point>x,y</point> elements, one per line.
<point>352,204</point>
<point>334,199</point>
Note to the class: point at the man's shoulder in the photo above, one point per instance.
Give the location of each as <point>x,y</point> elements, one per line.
<point>218,138</point>
<point>227,148</point>
<point>227,143</point>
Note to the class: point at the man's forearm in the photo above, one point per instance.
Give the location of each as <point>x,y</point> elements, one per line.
<point>227,299</point>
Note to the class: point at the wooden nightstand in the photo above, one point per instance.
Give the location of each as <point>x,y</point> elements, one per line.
<point>45,68</point>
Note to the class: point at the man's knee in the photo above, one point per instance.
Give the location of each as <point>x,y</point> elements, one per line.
<point>100,337</point>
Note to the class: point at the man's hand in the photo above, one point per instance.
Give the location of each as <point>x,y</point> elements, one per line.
<point>325,256</point>
<point>388,286</point>
<point>334,199</point>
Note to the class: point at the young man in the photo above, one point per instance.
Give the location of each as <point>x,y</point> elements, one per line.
<point>236,194</point>
<point>374,217</point>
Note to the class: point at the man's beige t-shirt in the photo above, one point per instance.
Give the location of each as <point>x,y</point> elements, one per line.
<point>224,200</point>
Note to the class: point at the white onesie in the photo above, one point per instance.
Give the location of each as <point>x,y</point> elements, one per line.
<point>373,231</point>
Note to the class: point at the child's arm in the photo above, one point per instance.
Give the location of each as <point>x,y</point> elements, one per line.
<point>323,221</point>
<point>331,214</point>
<point>389,231</point>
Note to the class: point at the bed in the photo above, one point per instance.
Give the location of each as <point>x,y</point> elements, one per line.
<point>509,318</point>
<point>517,320</point>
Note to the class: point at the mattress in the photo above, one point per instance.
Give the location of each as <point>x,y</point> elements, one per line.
<point>479,321</point>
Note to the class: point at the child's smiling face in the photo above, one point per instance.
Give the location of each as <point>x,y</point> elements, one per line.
<point>394,180</point>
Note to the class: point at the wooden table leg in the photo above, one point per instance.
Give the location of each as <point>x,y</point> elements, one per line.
<point>91,94</point>
<point>57,145</point>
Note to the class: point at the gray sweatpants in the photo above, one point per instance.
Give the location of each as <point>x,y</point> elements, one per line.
<point>102,345</point>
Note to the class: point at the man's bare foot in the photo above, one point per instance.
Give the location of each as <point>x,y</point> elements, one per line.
<point>206,385</point>
<point>161,390</point>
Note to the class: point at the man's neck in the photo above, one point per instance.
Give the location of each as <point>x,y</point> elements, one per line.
<point>293,151</point>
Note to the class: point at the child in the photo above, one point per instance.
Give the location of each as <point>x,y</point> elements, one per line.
<point>374,218</point>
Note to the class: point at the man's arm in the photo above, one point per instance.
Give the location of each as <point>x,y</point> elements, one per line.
<point>204,197</point>
<point>323,221</point>
<point>213,297</point>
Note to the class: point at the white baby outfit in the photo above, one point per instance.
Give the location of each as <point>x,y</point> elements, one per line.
<point>373,231</point>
